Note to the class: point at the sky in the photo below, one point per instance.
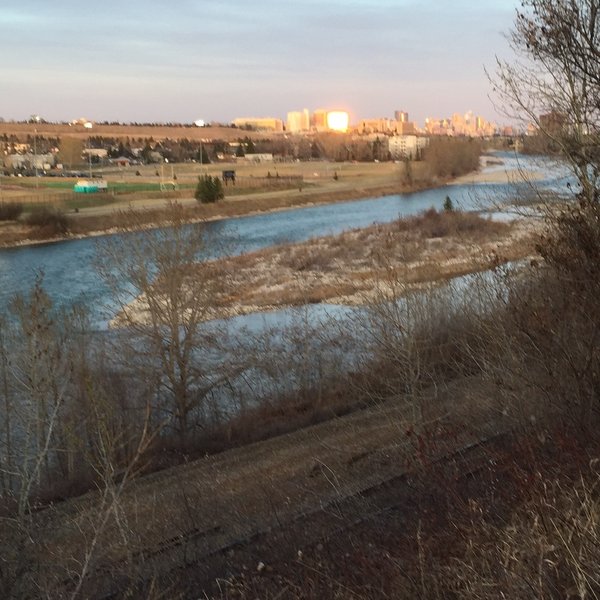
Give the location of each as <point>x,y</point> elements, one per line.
<point>178,61</point>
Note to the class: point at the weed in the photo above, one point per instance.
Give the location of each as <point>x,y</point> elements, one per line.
<point>48,221</point>
<point>10,211</point>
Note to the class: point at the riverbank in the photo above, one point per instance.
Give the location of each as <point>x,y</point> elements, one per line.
<point>152,212</point>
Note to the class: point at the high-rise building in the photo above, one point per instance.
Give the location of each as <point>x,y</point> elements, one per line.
<point>338,120</point>
<point>401,116</point>
<point>319,119</point>
<point>305,120</point>
<point>406,146</point>
<point>298,121</point>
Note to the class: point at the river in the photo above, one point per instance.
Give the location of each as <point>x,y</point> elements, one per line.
<point>70,276</point>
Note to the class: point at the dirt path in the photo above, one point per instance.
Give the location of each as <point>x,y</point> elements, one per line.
<point>198,513</point>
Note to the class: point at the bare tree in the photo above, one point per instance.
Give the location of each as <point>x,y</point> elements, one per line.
<point>165,294</point>
<point>60,426</point>
<point>555,83</point>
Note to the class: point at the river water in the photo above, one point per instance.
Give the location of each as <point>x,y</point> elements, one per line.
<point>70,276</point>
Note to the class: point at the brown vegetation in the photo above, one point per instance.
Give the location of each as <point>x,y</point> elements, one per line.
<point>10,211</point>
<point>440,376</point>
<point>126,131</point>
<point>84,224</point>
<point>351,268</point>
<point>48,222</point>
<point>450,157</point>
<point>467,467</point>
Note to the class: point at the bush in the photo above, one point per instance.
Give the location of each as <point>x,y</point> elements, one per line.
<point>209,189</point>
<point>51,221</point>
<point>10,211</point>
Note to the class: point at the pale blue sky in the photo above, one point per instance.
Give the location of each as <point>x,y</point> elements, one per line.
<point>189,59</point>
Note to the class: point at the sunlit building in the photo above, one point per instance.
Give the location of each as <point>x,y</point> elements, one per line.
<point>338,120</point>
<point>435,126</point>
<point>319,119</point>
<point>460,125</point>
<point>330,120</point>
<point>406,146</point>
<point>381,125</point>
<point>298,121</point>
<point>405,128</point>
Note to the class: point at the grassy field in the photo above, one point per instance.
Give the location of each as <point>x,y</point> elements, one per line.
<point>143,182</point>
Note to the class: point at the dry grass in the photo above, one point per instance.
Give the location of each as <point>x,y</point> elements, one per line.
<point>356,267</point>
<point>110,221</point>
<point>348,268</point>
<point>127,131</point>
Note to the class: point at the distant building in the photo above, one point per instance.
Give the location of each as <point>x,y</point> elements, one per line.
<point>406,146</point>
<point>406,128</point>
<point>461,125</point>
<point>298,121</point>
<point>381,125</point>
<point>330,120</point>
<point>399,125</point>
<point>553,122</point>
<point>319,120</point>
<point>401,116</point>
<point>97,152</point>
<point>258,157</point>
<point>43,162</point>
<point>532,129</point>
<point>338,120</point>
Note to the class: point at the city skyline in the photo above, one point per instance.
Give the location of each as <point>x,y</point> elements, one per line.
<point>142,62</point>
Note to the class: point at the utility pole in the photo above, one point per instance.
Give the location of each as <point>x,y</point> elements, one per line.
<point>90,155</point>
<point>35,155</point>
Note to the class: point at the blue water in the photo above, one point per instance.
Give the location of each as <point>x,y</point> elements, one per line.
<point>70,276</point>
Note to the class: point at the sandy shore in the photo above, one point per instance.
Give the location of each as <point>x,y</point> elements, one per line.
<point>500,176</point>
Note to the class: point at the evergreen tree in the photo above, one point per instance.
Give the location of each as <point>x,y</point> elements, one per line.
<point>209,189</point>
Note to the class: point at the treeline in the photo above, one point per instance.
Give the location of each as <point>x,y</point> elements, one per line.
<point>451,157</point>
<point>447,156</point>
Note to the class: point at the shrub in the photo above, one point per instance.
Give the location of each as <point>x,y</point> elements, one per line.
<point>209,189</point>
<point>51,221</point>
<point>10,211</point>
